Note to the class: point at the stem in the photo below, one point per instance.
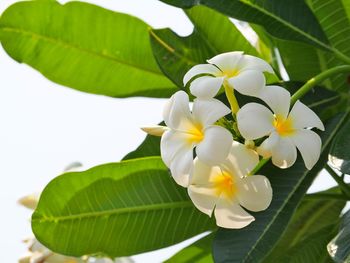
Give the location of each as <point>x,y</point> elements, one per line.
<point>342,185</point>
<point>317,79</point>
<point>326,196</point>
<point>231,99</point>
<point>259,165</point>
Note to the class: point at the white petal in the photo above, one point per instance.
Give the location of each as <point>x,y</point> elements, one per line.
<point>241,160</point>
<point>200,69</point>
<point>227,61</point>
<point>208,111</point>
<point>284,153</point>
<point>171,143</point>
<point>177,111</point>
<point>231,215</point>
<point>156,130</point>
<point>204,198</point>
<point>203,172</point>
<point>206,87</point>
<point>277,98</point>
<point>181,166</point>
<point>251,62</point>
<point>303,117</point>
<point>248,82</point>
<point>215,146</point>
<point>266,146</point>
<point>309,144</point>
<point>254,121</point>
<point>254,192</point>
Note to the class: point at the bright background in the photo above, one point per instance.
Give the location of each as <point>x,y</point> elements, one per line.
<point>45,127</point>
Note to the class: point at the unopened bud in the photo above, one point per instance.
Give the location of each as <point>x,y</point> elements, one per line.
<point>155,130</point>
<point>29,201</point>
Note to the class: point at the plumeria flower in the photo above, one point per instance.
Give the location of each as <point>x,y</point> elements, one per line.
<point>187,130</point>
<point>243,73</point>
<point>225,188</point>
<point>287,131</point>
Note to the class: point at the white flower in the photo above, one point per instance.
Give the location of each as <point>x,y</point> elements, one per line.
<point>225,188</point>
<point>243,73</point>
<point>286,131</point>
<point>193,129</point>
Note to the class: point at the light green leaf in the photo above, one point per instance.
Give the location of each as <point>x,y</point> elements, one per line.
<point>339,247</point>
<point>339,155</point>
<point>289,186</point>
<point>176,55</point>
<point>116,209</point>
<point>84,47</point>
<point>313,215</point>
<point>199,252</point>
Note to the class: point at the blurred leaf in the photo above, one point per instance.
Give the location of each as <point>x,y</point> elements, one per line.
<point>311,218</point>
<point>149,147</point>
<point>312,249</point>
<point>339,247</point>
<point>116,209</point>
<point>289,186</point>
<point>176,55</point>
<point>199,252</point>
<point>289,19</point>
<point>339,155</point>
<point>84,47</point>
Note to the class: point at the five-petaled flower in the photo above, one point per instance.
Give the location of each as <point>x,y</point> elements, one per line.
<point>243,73</point>
<point>224,188</point>
<point>188,130</point>
<point>286,130</point>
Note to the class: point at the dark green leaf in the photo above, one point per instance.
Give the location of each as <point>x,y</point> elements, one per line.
<point>339,247</point>
<point>289,19</point>
<point>176,55</point>
<point>339,155</point>
<point>149,147</point>
<point>84,47</point>
<point>312,215</point>
<point>116,209</point>
<point>253,243</point>
<point>199,252</point>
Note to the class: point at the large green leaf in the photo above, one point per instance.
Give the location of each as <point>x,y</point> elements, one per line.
<point>339,155</point>
<point>312,249</point>
<point>304,62</point>
<point>253,243</point>
<point>84,47</point>
<point>199,252</point>
<point>176,55</point>
<point>313,214</point>
<point>116,209</point>
<point>289,19</point>
<point>339,247</point>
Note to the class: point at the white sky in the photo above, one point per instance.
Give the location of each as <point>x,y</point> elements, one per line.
<point>46,127</point>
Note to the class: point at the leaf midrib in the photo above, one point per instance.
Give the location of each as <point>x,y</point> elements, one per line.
<point>291,193</point>
<point>68,45</point>
<point>116,211</point>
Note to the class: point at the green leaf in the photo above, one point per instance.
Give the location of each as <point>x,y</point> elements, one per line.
<point>313,215</point>
<point>84,47</point>
<point>311,250</point>
<point>176,55</point>
<point>289,186</point>
<point>339,155</point>
<point>339,247</point>
<point>149,147</point>
<point>304,62</point>
<point>289,19</point>
<point>199,252</point>
<point>116,209</point>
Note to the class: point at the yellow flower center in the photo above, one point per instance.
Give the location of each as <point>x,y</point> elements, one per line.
<point>283,126</point>
<point>229,73</point>
<point>195,133</point>
<point>224,185</point>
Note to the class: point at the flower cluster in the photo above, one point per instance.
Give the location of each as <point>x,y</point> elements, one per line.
<point>215,156</point>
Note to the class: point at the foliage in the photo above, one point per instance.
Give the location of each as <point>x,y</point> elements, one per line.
<point>134,206</point>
